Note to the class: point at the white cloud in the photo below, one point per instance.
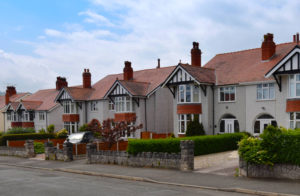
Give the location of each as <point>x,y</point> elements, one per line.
<point>145,30</point>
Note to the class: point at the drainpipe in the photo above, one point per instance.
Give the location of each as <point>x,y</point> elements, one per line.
<point>146,114</point>
<point>46,119</point>
<point>86,117</point>
<point>213,94</point>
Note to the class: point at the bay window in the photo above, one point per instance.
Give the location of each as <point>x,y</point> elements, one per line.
<point>294,85</point>
<point>71,127</point>
<point>294,120</point>
<point>25,116</point>
<point>124,104</point>
<point>265,91</point>
<point>69,107</point>
<point>227,94</point>
<point>189,93</point>
<point>8,116</point>
<point>184,119</point>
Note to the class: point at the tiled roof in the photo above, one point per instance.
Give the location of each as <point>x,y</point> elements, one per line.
<point>245,66</point>
<point>201,74</point>
<point>78,93</point>
<point>31,105</point>
<point>136,88</point>
<point>154,77</point>
<point>14,105</point>
<point>13,98</point>
<point>46,97</point>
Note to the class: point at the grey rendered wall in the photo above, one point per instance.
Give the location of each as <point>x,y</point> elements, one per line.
<point>102,114</point>
<point>55,117</point>
<point>39,124</point>
<point>237,108</point>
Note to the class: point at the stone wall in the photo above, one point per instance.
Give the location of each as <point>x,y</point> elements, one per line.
<point>183,161</point>
<point>54,153</point>
<point>26,151</point>
<point>281,171</point>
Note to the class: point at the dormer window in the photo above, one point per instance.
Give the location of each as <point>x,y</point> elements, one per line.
<point>189,94</point>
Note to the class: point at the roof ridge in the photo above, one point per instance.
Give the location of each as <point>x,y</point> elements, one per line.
<point>247,50</point>
<point>135,81</point>
<point>202,67</point>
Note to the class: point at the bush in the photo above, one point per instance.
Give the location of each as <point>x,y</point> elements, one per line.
<point>84,128</point>
<point>39,147</point>
<point>50,129</point>
<point>194,128</point>
<point>41,131</point>
<point>25,136</point>
<point>20,130</point>
<point>277,145</point>
<point>62,133</point>
<point>203,144</point>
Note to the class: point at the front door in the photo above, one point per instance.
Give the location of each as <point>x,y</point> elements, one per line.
<point>264,123</point>
<point>229,125</point>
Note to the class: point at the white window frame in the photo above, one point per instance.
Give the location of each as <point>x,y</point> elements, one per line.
<point>227,89</point>
<point>294,120</point>
<point>69,125</point>
<point>262,88</point>
<point>15,117</point>
<point>185,122</point>
<point>26,116</point>
<point>294,90</point>
<point>94,106</point>
<point>41,116</point>
<point>8,116</point>
<point>121,104</point>
<point>71,106</point>
<point>111,106</point>
<point>192,88</point>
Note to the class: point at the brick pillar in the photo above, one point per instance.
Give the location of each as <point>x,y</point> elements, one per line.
<point>68,151</point>
<point>49,150</point>
<point>90,149</point>
<point>29,148</point>
<point>187,155</point>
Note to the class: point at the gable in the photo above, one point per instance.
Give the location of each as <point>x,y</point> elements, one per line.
<point>117,90</point>
<point>179,76</point>
<point>63,95</point>
<point>288,65</point>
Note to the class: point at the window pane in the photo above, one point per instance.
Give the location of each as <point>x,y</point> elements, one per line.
<point>259,93</point>
<point>232,94</point>
<point>292,116</point>
<point>297,77</point>
<point>272,92</point>
<point>297,124</point>
<point>181,93</point>
<point>292,124</point>
<point>222,126</point>
<point>222,97</point>
<point>196,94</point>
<point>265,93</point>
<point>226,95</point>
<point>257,127</point>
<point>298,89</point>
<point>188,93</point>
<point>297,116</point>
<point>292,86</point>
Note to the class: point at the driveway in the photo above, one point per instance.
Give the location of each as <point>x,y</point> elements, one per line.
<point>223,163</point>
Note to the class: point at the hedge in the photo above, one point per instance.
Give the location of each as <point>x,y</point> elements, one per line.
<point>26,136</point>
<point>203,144</point>
<point>275,145</point>
<point>39,148</point>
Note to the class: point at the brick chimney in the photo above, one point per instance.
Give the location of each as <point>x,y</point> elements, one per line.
<point>296,38</point>
<point>61,82</point>
<point>86,79</point>
<point>196,55</point>
<point>268,47</point>
<point>10,91</point>
<point>128,71</point>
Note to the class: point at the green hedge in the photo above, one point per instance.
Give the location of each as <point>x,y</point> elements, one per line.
<point>275,145</point>
<point>203,144</point>
<point>26,136</point>
<point>39,148</point>
<point>20,130</point>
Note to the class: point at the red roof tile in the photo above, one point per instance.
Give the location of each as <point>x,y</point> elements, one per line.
<point>245,66</point>
<point>201,74</point>
<point>31,105</point>
<point>78,93</point>
<point>136,88</point>
<point>46,96</point>
<point>13,98</point>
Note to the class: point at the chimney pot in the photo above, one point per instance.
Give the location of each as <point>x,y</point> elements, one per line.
<point>10,91</point>
<point>127,71</point>
<point>268,47</point>
<point>196,55</point>
<point>158,63</point>
<point>86,79</point>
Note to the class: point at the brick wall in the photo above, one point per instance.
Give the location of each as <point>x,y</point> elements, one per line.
<point>189,109</point>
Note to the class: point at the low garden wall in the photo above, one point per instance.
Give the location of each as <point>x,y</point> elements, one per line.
<point>183,160</point>
<point>286,171</point>
<point>20,143</point>
<point>26,151</point>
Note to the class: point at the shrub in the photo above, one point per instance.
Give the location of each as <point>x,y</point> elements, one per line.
<point>39,147</point>
<point>62,133</point>
<point>203,144</point>
<point>277,145</point>
<point>50,129</point>
<point>194,128</point>
<point>25,136</point>
<point>84,128</point>
<point>41,131</point>
<point>20,130</point>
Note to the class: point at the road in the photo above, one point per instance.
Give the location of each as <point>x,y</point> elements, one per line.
<point>19,181</point>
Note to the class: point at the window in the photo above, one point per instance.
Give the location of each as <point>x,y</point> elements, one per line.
<point>188,94</point>
<point>294,120</point>
<point>294,85</point>
<point>94,106</point>
<point>111,105</point>
<point>227,94</point>
<point>25,116</point>
<point>184,119</point>
<point>14,117</point>
<point>229,124</point>
<point>124,104</point>
<point>69,107</point>
<point>41,116</point>
<point>265,91</point>
<point>8,116</point>
<point>71,127</point>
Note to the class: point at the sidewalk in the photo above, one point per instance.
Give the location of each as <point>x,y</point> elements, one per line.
<point>164,175</point>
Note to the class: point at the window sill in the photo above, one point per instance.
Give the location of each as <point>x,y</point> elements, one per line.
<point>262,100</point>
<point>188,103</point>
<point>227,102</point>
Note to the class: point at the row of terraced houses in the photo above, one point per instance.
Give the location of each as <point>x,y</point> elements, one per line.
<point>237,91</point>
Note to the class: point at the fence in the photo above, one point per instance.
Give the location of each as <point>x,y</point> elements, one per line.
<point>26,151</point>
<point>153,135</point>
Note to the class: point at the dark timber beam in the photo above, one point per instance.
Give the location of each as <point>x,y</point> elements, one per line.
<point>203,87</point>
<point>172,91</point>
<point>278,81</point>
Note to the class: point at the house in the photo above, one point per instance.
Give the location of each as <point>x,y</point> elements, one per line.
<point>38,111</point>
<point>11,95</point>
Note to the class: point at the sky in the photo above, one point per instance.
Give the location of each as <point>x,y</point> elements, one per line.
<point>40,40</point>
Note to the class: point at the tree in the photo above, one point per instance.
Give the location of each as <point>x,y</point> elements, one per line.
<point>195,128</point>
<point>50,129</point>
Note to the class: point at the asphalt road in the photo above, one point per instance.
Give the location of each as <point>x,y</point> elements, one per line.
<point>18,181</point>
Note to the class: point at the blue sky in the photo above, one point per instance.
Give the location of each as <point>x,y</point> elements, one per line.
<point>40,40</point>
